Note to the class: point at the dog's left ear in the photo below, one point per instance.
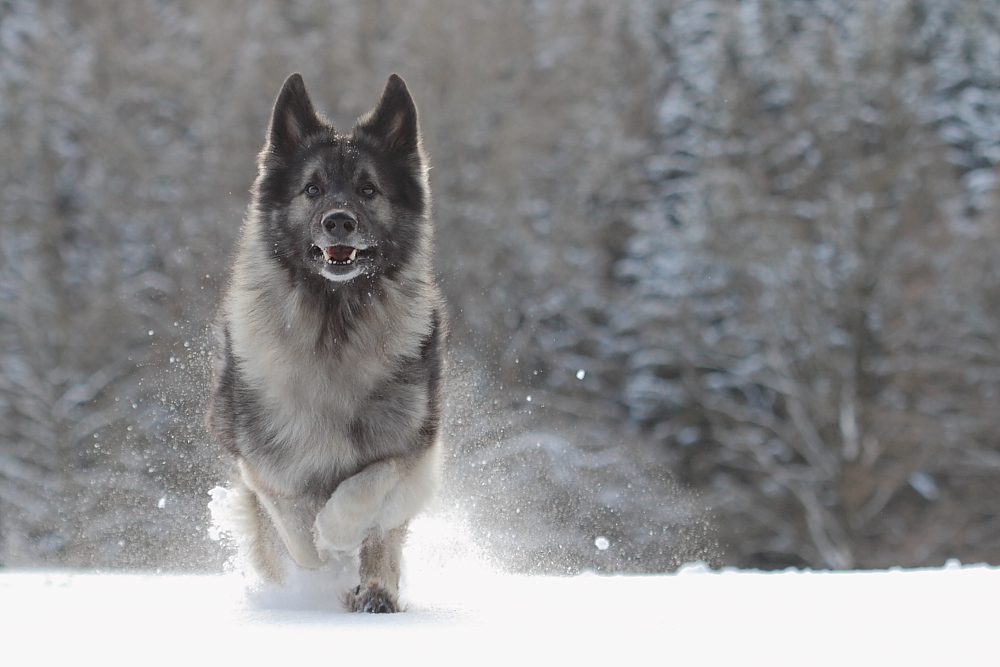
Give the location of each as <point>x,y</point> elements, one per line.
<point>393,122</point>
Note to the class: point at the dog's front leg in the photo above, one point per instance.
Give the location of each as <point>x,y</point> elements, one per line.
<point>349,519</point>
<point>380,557</point>
<point>373,509</point>
<point>293,519</point>
<point>381,497</point>
<point>351,512</point>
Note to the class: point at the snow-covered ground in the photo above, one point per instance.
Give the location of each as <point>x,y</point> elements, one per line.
<point>463,612</point>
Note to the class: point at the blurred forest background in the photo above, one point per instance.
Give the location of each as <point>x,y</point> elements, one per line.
<point>725,276</point>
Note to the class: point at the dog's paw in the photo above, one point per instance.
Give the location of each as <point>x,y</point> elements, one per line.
<point>335,530</point>
<point>371,599</point>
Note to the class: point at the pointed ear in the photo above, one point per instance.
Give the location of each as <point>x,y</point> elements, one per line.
<point>293,118</point>
<point>393,122</point>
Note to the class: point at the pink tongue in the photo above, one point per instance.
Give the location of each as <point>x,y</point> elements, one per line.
<point>339,253</point>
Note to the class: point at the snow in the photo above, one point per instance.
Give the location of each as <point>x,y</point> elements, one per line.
<point>461,610</point>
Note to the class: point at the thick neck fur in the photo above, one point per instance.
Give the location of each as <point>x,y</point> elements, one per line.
<point>364,313</point>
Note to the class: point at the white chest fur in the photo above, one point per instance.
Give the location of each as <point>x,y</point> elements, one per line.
<point>308,395</point>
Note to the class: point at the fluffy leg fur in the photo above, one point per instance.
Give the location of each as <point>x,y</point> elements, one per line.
<point>292,519</point>
<point>381,497</point>
<point>350,513</point>
<point>381,554</point>
<point>257,532</point>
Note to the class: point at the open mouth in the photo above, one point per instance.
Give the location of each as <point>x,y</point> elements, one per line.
<point>341,262</point>
<point>342,255</point>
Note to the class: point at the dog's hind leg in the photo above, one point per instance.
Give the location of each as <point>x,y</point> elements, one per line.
<point>380,566</point>
<point>257,534</point>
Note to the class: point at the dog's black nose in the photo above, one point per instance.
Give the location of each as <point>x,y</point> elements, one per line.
<point>342,220</point>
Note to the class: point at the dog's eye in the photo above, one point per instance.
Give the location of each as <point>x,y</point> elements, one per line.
<point>368,190</point>
<point>312,189</point>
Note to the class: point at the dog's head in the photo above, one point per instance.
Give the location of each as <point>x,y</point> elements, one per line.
<point>345,209</point>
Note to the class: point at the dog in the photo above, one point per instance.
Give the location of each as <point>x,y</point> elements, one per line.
<point>327,380</point>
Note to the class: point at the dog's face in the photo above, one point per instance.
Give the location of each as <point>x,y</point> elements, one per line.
<point>342,208</point>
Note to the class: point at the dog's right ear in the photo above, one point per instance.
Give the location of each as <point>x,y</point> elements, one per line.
<point>293,118</point>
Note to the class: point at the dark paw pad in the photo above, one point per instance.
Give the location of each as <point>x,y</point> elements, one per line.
<point>371,599</point>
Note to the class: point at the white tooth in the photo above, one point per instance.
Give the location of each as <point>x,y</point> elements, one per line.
<point>328,254</point>
<point>354,253</point>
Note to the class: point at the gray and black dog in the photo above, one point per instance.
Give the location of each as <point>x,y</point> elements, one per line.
<point>328,371</point>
